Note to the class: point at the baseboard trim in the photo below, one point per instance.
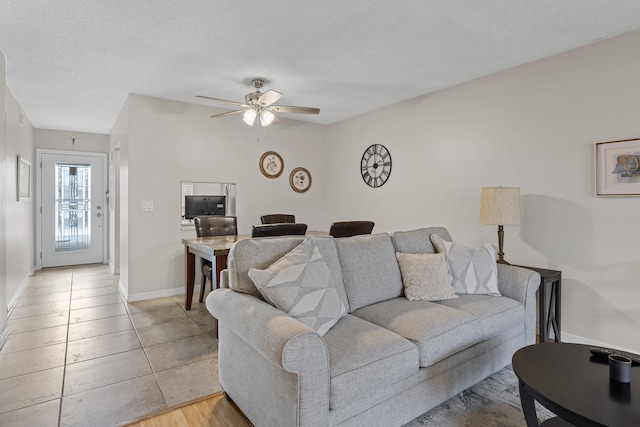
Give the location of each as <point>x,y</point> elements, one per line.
<point>123,292</point>
<point>157,294</point>
<point>576,339</point>
<point>14,300</point>
<point>153,294</point>
<point>112,268</point>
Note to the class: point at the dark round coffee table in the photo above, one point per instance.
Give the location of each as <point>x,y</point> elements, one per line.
<point>568,381</point>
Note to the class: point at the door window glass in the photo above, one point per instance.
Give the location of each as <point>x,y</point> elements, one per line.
<point>72,207</point>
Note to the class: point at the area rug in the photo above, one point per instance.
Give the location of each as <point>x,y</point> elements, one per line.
<point>493,402</point>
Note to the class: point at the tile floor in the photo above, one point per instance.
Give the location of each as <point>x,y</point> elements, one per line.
<point>78,355</point>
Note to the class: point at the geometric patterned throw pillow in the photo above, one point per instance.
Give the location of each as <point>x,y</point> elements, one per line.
<point>474,270</point>
<point>298,284</point>
<point>425,277</point>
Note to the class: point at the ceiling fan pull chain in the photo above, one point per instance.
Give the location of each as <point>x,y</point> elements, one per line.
<point>258,130</point>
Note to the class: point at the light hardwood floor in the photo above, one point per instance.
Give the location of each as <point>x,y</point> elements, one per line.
<point>213,411</point>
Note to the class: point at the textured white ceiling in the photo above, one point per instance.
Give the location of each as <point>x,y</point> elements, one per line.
<point>71,63</point>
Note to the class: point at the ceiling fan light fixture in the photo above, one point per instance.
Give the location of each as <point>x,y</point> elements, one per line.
<point>266,117</point>
<point>261,106</point>
<point>249,117</point>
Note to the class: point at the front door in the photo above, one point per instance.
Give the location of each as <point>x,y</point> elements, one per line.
<point>72,209</point>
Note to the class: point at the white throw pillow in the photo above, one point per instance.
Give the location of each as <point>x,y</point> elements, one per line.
<point>425,277</point>
<point>474,270</point>
<point>298,284</point>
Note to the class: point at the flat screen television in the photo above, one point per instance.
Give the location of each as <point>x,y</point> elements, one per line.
<point>203,206</point>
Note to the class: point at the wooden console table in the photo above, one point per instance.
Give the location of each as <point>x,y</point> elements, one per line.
<point>549,294</point>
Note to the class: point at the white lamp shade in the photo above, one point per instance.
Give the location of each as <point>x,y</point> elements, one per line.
<point>249,117</point>
<point>500,205</point>
<point>266,117</point>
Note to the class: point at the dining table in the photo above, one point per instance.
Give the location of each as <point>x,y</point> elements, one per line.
<point>214,249</point>
<point>211,248</point>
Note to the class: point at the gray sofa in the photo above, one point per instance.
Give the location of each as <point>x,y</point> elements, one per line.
<point>385,362</point>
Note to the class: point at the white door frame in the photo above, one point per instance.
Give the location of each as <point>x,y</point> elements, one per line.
<point>103,201</point>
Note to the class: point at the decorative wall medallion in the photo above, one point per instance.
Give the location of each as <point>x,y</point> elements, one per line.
<point>271,164</point>
<point>300,180</point>
<point>375,166</point>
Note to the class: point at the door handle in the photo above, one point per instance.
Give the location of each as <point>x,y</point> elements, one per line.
<point>99,214</point>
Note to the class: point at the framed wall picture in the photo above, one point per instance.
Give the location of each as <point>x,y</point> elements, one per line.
<point>271,164</point>
<point>618,168</point>
<point>300,180</point>
<point>24,179</point>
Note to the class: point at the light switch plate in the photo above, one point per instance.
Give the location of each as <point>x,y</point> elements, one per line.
<point>147,206</point>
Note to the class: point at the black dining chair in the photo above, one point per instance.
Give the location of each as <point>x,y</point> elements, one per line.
<point>350,228</point>
<point>213,226</point>
<point>278,218</point>
<point>281,229</point>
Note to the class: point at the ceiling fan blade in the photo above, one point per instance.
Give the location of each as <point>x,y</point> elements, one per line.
<point>228,113</point>
<point>292,109</point>
<point>269,97</point>
<point>222,100</point>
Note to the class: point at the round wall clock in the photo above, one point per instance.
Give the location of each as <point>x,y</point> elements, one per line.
<point>271,164</point>
<point>375,166</point>
<point>300,180</point>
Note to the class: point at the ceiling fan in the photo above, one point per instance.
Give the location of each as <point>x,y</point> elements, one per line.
<point>260,105</point>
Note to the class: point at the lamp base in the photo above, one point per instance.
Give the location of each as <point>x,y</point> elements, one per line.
<point>501,259</point>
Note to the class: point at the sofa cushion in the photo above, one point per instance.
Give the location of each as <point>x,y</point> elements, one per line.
<point>327,247</point>
<point>425,277</point>
<point>437,330</point>
<point>418,241</point>
<point>365,357</point>
<point>474,270</point>
<point>257,253</point>
<point>369,269</point>
<point>261,253</point>
<point>496,314</point>
<point>298,284</point>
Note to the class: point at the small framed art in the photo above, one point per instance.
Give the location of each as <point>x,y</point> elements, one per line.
<point>24,179</point>
<point>618,168</point>
<point>300,180</point>
<point>271,164</point>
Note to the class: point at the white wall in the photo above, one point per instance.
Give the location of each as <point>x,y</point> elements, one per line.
<point>119,203</point>
<point>533,127</point>
<point>4,330</point>
<point>113,201</point>
<point>170,142</point>
<point>71,141</point>
<point>20,215</point>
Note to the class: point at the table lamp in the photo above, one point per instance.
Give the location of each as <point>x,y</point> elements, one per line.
<point>500,206</point>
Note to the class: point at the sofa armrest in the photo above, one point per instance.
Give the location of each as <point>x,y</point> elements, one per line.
<point>518,283</point>
<point>224,279</point>
<point>285,342</point>
<point>521,285</point>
